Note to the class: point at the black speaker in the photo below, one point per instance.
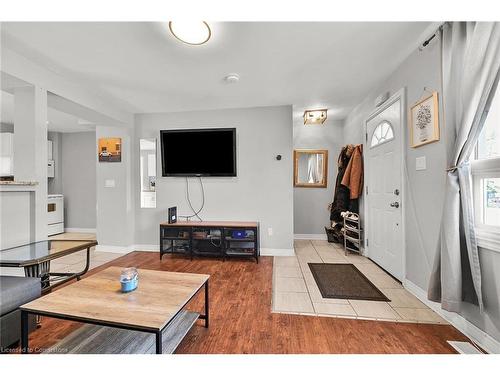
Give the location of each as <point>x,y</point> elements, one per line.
<point>172,215</point>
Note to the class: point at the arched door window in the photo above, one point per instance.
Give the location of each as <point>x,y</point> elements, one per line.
<point>383,133</point>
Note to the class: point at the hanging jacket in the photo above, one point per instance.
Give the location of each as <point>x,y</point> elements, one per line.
<point>341,196</point>
<point>353,175</point>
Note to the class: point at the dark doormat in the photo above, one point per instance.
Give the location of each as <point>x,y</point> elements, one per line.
<point>344,281</point>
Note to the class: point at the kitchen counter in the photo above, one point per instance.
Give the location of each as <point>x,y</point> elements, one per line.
<point>19,183</point>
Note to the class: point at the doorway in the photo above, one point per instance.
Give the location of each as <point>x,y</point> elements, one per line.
<point>384,242</point>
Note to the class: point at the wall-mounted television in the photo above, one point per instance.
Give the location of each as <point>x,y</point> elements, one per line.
<point>198,152</point>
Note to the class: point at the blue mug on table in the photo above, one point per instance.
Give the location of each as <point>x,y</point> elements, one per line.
<point>129,279</point>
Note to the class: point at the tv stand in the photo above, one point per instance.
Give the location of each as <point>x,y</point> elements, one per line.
<point>224,239</point>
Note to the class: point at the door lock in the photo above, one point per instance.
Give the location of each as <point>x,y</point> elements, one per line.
<point>395,204</point>
<point>396,192</point>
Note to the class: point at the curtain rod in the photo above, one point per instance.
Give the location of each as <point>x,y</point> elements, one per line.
<point>429,39</point>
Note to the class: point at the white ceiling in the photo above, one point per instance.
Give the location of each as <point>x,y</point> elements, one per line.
<point>57,121</point>
<point>146,69</point>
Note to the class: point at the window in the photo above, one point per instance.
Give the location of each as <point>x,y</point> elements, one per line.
<point>488,145</point>
<point>486,179</point>
<point>490,201</point>
<point>383,133</point>
<point>6,154</point>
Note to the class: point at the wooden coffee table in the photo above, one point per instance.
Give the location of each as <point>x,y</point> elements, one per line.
<point>160,298</point>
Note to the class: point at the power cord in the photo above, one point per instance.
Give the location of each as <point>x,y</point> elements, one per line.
<point>195,212</point>
<point>216,244</point>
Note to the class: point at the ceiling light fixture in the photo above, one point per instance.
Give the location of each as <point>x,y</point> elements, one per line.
<point>232,78</point>
<point>315,117</point>
<point>193,33</point>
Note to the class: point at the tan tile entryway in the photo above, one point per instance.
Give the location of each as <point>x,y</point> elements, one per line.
<point>295,290</point>
<point>76,262</point>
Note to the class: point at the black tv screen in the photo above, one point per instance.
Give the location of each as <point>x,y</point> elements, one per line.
<point>198,152</point>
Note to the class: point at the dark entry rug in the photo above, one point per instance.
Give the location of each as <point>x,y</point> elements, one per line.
<point>344,281</point>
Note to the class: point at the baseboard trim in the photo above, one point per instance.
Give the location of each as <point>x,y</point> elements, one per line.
<point>139,247</point>
<point>114,249</point>
<point>464,347</point>
<point>265,251</point>
<point>80,230</point>
<point>487,342</point>
<point>148,247</point>
<point>311,236</point>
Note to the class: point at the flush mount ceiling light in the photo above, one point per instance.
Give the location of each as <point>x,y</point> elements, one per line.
<point>315,116</point>
<point>189,32</point>
<point>232,78</point>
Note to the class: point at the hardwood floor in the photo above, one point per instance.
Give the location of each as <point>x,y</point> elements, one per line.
<point>241,320</point>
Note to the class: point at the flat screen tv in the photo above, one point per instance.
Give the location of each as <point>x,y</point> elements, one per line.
<point>198,152</point>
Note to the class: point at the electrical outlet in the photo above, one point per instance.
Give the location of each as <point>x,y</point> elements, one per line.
<point>270,231</point>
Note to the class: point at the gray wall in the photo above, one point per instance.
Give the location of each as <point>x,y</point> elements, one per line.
<point>78,161</point>
<point>262,191</point>
<point>425,189</point>
<point>310,213</point>
<point>55,183</point>
<point>115,206</point>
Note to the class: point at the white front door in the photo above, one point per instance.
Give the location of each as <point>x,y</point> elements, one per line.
<point>384,188</point>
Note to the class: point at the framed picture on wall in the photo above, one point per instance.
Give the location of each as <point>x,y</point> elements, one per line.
<point>424,121</point>
<point>110,150</point>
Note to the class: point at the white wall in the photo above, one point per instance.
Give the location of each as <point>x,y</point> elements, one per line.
<point>262,191</point>
<point>78,179</point>
<point>16,218</point>
<point>425,189</point>
<point>310,213</point>
<point>30,150</point>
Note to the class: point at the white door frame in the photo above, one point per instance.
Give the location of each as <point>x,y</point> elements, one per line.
<point>401,96</point>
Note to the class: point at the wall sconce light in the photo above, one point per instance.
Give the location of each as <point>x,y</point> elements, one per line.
<point>315,117</point>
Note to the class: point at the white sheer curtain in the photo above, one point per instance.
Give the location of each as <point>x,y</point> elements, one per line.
<point>471,65</point>
<point>314,168</point>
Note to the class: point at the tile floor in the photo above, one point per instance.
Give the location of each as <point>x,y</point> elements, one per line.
<point>73,262</point>
<point>295,291</point>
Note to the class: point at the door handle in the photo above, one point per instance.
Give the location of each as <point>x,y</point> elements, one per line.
<point>395,204</point>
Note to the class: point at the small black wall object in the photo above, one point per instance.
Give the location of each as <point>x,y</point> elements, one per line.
<point>278,157</point>
<point>172,215</point>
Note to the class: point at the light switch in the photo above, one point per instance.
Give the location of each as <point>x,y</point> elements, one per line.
<point>420,163</point>
<point>109,183</point>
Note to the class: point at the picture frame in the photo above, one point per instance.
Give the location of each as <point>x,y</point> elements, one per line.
<point>424,121</point>
<point>109,150</point>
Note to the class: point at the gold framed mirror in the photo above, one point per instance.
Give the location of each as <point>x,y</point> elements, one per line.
<point>310,168</point>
